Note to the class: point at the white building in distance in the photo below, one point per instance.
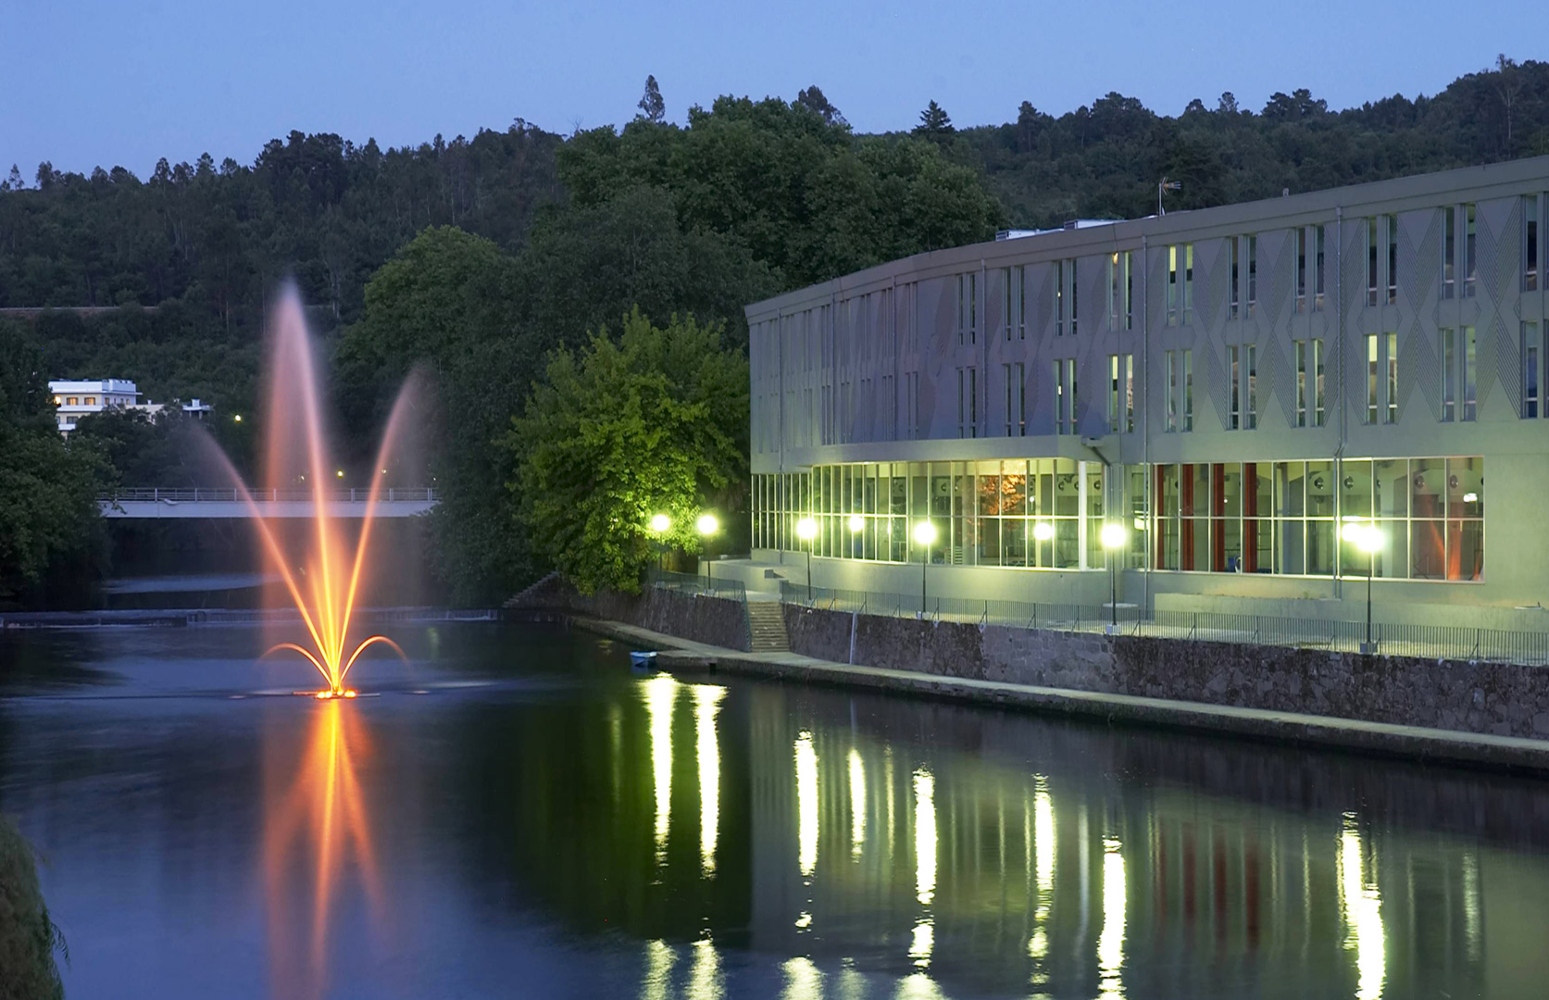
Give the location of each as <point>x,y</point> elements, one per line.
<point>75,398</point>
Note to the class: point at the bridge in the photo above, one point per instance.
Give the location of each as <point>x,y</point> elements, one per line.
<point>213,503</point>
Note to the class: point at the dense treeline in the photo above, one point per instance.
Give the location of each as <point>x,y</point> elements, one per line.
<point>479,259</point>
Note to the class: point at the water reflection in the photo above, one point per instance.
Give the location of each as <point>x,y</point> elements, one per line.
<point>707,702</point>
<point>1360,905</point>
<point>317,821</point>
<point>806,804</point>
<point>661,693</point>
<point>857,803</point>
<point>1110,946</point>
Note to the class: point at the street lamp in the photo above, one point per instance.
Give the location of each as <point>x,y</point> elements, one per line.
<point>807,530</point>
<point>856,524</point>
<point>660,525</point>
<point>1113,537</point>
<point>707,525</point>
<point>1369,539</point>
<point>924,534</point>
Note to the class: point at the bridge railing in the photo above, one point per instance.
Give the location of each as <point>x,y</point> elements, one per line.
<point>418,494</point>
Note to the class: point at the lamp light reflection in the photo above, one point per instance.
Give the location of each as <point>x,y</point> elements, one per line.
<point>657,982</point>
<point>803,981</point>
<point>704,976</point>
<point>707,703</point>
<point>1043,868</point>
<point>1360,904</point>
<point>857,803</point>
<point>806,804</point>
<point>924,836</point>
<point>660,693</point>
<point>1110,945</point>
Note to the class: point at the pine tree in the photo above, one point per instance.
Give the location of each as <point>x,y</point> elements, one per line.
<point>652,107</point>
<point>935,123</point>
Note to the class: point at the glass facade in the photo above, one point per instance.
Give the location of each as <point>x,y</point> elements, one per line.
<point>1225,517</point>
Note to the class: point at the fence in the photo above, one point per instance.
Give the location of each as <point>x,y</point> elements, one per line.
<point>691,583</point>
<point>1438,642</point>
<point>253,616</point>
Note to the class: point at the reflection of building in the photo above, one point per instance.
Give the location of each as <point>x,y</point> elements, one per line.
<point>1231,385</point>
<point>76,398</point>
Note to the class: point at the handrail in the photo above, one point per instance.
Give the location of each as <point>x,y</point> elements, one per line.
<point>1435,642</point>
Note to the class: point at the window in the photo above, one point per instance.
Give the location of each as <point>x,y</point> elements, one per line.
<point>1250,377</point>
<point>1129,290</point>
<point>1449,374</point>
<point>1301,270</point>
<point>1317,381</point>
<point>1391,411</point>
<point>1121,393</point>
<point>1371,378</point>
<point>1065,396</point>
<point>1532,373</point>
<point>967,308</point>
<point>1371,261</point>
<point>1470,251</point>
<point>73,401</point>
<point>1015,378</point>
<point>1232,307</point>
<point>1530,243</point>
<point>967,402</point>
<point>1013,308</point>
<point>1301,382</point>
<point>1188,390</point>
<point>91,400</point>
<point>1253,273</point>
<point>1392,227</point>
<point>1449,253</point>
<point>1115,291</point>
<point>1469,369</point>
<point>1317,302</point>
<point>1064,297</point>
<point>1172,390</point>
<point>912,404</point>
<point>1180,284</point>
<point>1234,410</point>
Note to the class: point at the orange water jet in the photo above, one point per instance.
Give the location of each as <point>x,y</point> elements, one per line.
<point>322,583</point>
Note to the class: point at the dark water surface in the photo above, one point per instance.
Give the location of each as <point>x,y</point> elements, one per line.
<point>517,815</point>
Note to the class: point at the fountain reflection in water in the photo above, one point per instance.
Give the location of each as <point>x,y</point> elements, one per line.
<point>321,573</point>
<point>315,817</point>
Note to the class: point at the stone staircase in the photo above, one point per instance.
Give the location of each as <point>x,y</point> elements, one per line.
<point>766,627</point>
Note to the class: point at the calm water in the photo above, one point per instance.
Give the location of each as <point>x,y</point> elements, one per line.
<point>518,815</point>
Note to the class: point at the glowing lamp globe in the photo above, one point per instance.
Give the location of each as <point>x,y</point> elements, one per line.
<point>707,524</point>
<point>925,533</point>
<point>806,529</point>
<point>1113,535</point>
<point>660,523</point>
<point>1043,531</point>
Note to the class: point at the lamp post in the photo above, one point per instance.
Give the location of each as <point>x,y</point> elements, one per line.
<point>1043,531</point>
<point>924,534</point>
<point>707,525</point>
<point>857,524</point>
<point>660,525</point>
<point>1113,537</point>
<point>1369,539</point>
<point>807,530</point>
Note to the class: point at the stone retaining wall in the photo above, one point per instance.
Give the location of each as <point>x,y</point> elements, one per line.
<point>1485,698</point>
<point>718,621</point>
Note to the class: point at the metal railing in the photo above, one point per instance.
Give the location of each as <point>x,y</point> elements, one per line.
<point>691,583</point>
<point>418,494</point>
<point>1437,642</point>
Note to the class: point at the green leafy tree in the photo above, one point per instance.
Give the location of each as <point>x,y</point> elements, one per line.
<point>620,431</point>
<point>28,938</point>
<point>49,522</point>
<point>652,108</point>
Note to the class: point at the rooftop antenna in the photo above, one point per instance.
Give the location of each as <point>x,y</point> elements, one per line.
<point>1165,185</point>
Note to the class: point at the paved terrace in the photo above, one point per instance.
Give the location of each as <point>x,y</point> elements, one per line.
<point>212,503</point>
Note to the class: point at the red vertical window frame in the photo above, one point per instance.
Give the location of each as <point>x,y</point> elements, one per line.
<point>1186,517</point>
<point>1217,515</point>
<point>1250,513</point>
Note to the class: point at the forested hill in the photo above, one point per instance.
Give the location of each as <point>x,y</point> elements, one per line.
<point>216,237</point>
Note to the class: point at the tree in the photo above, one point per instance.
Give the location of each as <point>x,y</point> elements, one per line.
<point>28,938</point>
<point>48,490</point>
<point>813,100</point>
<point>935,123</point>
<point>619,432</point>
<point>652,108</point>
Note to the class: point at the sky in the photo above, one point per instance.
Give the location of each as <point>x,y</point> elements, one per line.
<point>111,83</point>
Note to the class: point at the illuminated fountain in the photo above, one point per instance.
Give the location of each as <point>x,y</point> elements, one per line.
<point>320,573</point>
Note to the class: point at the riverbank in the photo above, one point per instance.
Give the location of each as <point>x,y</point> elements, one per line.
<point>677,655</point>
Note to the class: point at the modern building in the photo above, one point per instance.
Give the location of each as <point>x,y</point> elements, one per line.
<point>76,398</point>
<point>1250,392</point>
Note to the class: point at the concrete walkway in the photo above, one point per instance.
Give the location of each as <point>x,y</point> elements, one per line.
<point>1441,745</point>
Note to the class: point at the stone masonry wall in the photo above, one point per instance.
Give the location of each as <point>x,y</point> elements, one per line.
<point>714,620</point>
<point>1487,698</point>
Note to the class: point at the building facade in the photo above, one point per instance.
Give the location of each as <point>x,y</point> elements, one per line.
<point>76,398</point>
<point>1239,388</point>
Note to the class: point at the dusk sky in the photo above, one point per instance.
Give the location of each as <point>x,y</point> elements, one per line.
<point>98,83</point>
